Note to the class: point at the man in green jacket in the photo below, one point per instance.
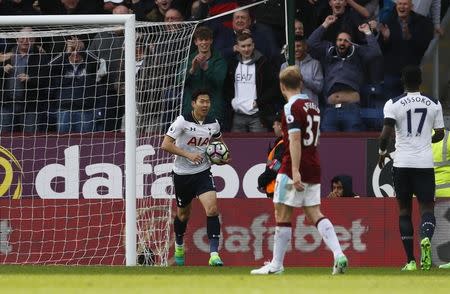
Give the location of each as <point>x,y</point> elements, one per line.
<point>206,70</point>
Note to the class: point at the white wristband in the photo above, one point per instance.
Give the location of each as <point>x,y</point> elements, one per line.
<point>382,152</point>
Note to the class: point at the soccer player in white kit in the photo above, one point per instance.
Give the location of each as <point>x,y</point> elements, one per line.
<point>187,138</point>
<point>413,117</point>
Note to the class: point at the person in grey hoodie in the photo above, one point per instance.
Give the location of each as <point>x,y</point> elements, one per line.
<point>252,88</point>
<point>310,68</point>
<point>343,65</point>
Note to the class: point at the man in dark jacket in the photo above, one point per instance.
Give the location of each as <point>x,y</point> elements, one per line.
<point>405,38</point>
<point>343,65</point>
<point>74,88</point>
<point>252,88</point>
<point>24,85</point>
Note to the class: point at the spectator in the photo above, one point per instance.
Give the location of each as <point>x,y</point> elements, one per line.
<point>141,8</point>
<point>298,33</point>
<point>252,88</point>
<point>159,11</point>
<point>157,103</point>
<point>149,112</point>
<point>71,6</point>
<point>347,20</point>
<point>206,70</point>
<point>432,9</point>
<point>266,181</point>
<point>262,35</point>
<point>343,66</point>
<point>299,29</point>
<point>110,5</point>
<point>272,14</point>
<point>184,6</point>
<point>342,186</point>
<point>373,7</point>
<point>73,87</point>
<point>404,40</point>
<point>360,9</point>
<point>24,73</point>
<point>108,48</point>
<point>310,69</point>
<point>17,7</point>
<point>215,7</point>
<point>173,15</point>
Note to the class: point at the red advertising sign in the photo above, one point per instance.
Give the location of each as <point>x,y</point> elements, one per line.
<point>367,230</point>
<point>91,232</point>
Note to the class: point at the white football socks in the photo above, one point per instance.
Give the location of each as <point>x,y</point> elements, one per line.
<point>326,230</point>
<point>281,241</point>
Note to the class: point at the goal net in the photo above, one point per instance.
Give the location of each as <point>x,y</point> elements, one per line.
<point>63,140</point>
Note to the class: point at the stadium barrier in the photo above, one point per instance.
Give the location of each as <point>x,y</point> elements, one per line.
<point>366,227</point>
<point>65,224</point>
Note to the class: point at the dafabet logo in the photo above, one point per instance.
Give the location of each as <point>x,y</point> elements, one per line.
<point>10,175</point>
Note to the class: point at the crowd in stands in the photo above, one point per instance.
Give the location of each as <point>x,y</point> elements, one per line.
<point>350,53</point>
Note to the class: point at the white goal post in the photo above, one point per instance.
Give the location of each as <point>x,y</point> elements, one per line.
<point>77,186</point>
<point>61,172</point>
<point>128,22</point>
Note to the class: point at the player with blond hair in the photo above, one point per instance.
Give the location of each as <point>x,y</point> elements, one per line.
<point>298,180</point>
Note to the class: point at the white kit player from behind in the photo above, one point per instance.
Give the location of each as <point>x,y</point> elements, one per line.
<point>413,117</point>
<point>187,138</point>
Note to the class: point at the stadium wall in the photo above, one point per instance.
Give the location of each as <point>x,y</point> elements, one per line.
<point>93,230</point>
<point>366,227</point>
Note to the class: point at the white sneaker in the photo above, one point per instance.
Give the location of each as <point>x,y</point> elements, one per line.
<point>267,269</point>
<point>340,265</point>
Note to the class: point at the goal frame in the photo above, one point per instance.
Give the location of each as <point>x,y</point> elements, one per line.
<point>128,21</point>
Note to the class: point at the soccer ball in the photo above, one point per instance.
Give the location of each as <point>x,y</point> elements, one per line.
<point>217,152</point>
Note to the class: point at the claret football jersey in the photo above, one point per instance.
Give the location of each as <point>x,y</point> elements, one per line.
<point>302,115</point>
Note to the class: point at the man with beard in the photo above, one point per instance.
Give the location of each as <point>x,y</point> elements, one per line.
<point>343,72</point>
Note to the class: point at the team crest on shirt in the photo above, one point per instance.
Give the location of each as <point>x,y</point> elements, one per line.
<point>290,118</point>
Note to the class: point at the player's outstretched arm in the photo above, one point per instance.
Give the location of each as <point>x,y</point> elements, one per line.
<point>168,145</point>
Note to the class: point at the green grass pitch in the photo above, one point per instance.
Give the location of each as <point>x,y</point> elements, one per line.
<point>181,280</point>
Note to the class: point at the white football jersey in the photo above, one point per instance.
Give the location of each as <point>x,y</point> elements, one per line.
<point>192,136</point>
<point>415,118</point>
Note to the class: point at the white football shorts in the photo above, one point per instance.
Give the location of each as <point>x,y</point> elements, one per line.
<point>286,193</point>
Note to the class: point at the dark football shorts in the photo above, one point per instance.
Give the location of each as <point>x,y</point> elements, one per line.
<point>188,187</point>
<point>414,181</point>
